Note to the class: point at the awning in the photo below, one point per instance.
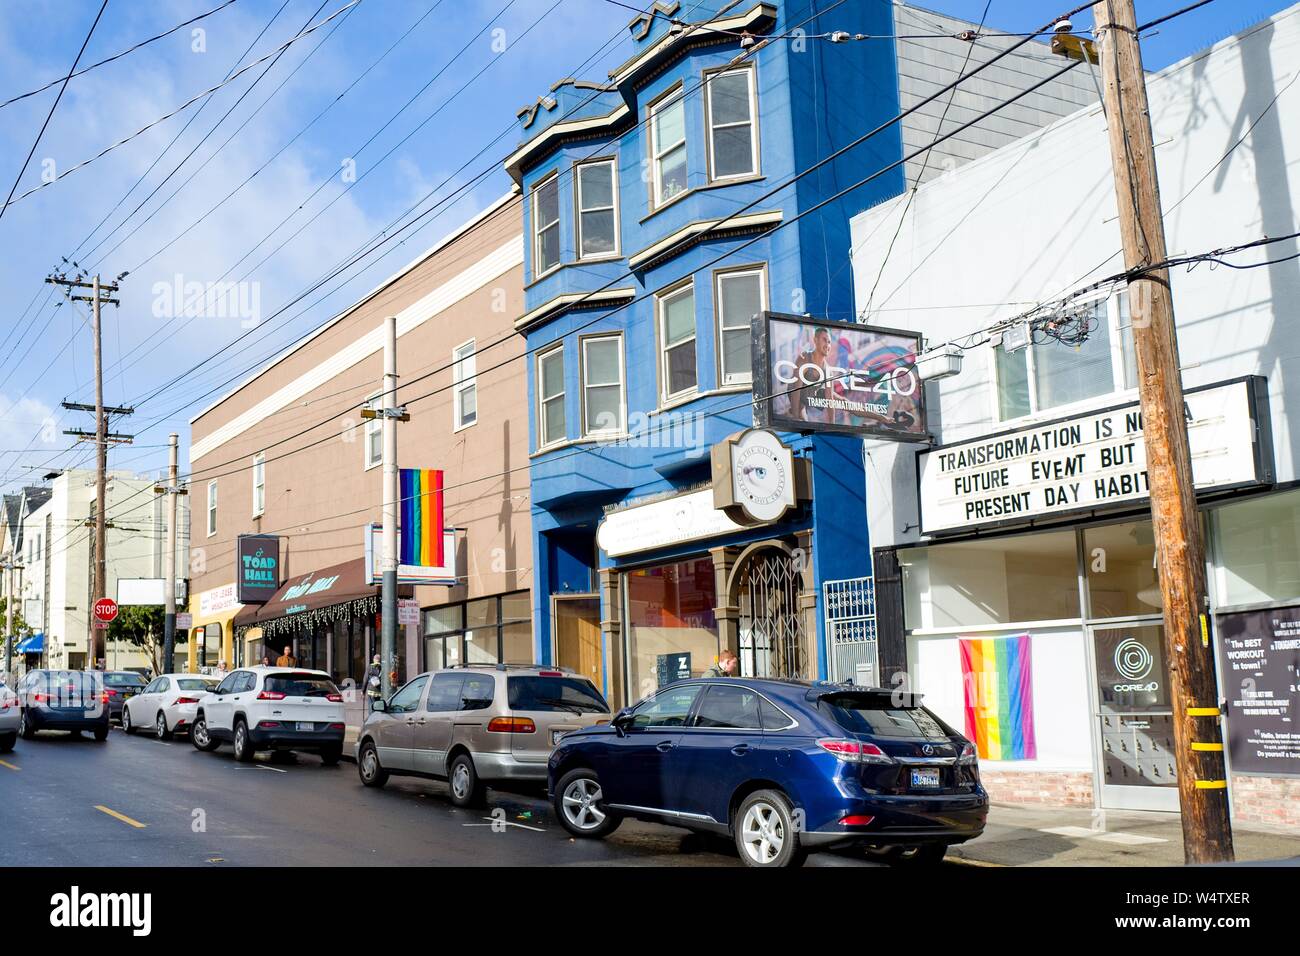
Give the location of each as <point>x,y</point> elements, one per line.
<point>32,645</point>
<point>339,592</point>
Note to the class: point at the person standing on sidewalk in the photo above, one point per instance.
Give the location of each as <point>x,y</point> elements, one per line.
<point>373,682</point>
<point>727,666</point>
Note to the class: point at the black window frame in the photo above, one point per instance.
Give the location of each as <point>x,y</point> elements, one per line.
<point>459,633</point>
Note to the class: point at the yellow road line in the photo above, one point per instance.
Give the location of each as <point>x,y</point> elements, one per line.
<point>6,763</point>
<point>121,816</point>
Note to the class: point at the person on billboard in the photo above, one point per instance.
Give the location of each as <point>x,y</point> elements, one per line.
<point>818,356</point>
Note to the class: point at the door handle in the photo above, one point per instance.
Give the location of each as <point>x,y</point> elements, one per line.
<point>740,749</point>
<point>664,746</point>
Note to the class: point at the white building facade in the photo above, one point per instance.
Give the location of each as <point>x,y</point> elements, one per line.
<point>1014,558</point>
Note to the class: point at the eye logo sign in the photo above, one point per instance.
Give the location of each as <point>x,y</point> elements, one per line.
<point>1133,660</point>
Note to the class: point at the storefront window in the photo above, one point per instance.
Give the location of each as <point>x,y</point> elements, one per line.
<point>1030,577</point>
<point>1120,563</point>
<point>492,630</point>
<point>669,613</point>
<point>1259,550</point>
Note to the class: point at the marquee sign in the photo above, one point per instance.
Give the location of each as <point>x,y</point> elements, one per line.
<point>812,375</point>
<point>1091,462</point>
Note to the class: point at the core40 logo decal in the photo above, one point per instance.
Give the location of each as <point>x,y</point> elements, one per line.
<point>1133,661</point>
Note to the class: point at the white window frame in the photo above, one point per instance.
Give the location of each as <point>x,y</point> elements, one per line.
<point>676,97</point>
<point>212,508</point>
<point>544,439</point>
<point>539,227</point>
<point>371,428</point>
<point>464,378</point>
<point>724,378</point>
<point>259,484</point>
<point>661,340</point>
<point>752,123</point>
<point>1118,384</point>
<point>587,430</point>
<point>577,219</point>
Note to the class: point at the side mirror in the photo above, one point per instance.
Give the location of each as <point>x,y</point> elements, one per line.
<point>622,720</point>
<point>379,705</point>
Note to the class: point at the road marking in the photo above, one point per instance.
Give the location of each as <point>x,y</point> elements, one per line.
<point>504,823</point>
<point>6,763</point>
<point>276,769</point>
<point>967,861</point>
<point>121,816</point>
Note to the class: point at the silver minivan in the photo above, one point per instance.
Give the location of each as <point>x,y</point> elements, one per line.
<point>476,725</point>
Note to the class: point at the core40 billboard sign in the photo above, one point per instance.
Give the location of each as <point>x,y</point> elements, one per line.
<point>811,375</point>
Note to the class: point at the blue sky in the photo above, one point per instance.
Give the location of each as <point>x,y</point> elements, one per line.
<point>521,47</point>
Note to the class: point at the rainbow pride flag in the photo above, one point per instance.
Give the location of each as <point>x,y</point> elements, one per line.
<point>998,680</point>
<point>421,517</point>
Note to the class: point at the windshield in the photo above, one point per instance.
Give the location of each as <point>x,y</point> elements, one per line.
<point>877,715</point>
<point>300,685</point>
<point>124,680</point>
<point>195,683</point>
<point>574,694</point>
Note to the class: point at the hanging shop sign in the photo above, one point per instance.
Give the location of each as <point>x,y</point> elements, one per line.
<point>443,574</point>
<point>1091,462</point>
<point>1259,671</point>
<point>756,478</point>
<point>812,375</point>
<point>663,523</point>
<point>258,567</point>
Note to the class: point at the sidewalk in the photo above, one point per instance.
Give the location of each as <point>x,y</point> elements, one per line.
<point>1019,835</point>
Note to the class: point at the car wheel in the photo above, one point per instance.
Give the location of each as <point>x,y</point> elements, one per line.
<point>7,743</point>
<point>243,746</point>
<point>199,735</point>
<point>331,757</point>
<point>101,734</point>
<point>765,832</point>
<point>160,726</point>
<point>25,728</point>
<point>127,726</point>
<point>466,788</point>
<point>577,803</point>
<point>368,766</point>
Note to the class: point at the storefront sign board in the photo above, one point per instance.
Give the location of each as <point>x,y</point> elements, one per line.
<point>1259,668</point>
<point>663,523</point>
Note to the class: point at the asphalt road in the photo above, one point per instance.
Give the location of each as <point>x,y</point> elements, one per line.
<point>137,801</point>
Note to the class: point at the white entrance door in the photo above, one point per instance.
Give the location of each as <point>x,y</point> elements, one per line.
<point>1136,761</point>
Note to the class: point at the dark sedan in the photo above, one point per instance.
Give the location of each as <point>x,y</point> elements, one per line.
<point>782,767</point>
<point>121,686</point>
<point>63,700</point>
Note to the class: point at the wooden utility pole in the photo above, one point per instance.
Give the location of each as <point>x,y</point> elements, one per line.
<point>100,294</point>
<point>171,490</point>
<point>1202,780</point>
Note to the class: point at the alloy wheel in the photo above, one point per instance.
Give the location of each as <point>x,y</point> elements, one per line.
<point>200,732</point>
<point>580,801</point>
<point>763,833</point>
<point>160,725</point>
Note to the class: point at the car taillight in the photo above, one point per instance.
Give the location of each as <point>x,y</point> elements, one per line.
<point>854,751</point>
<point>186,700</point>
<point>40,698</point>
<point>110,693</point>
<point>337,727</point>
<point>334,698</point>
<point>104,698</point>
<point>968,754</point>
<point>512,725</point>
<point>268,724</point>
<point>550,673</point>
<point>856,820</point>
<point>270,695</point>
<point>8,702</point>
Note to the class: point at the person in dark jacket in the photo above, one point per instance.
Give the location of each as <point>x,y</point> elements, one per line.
<point>374,681</point>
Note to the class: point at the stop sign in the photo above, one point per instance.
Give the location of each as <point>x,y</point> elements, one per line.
<point>105,610</point>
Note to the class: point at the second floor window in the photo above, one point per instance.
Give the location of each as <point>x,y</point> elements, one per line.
<point>597,210</point>
<point>602,385</point>
<point>738,298</point>
<point>668,148</point>
<point>212,508</point>
<point>546,225</point>
<point>677,375</point>
<point>259,483</point>
<point>733,147</point>
<point>464,388</point>
<point>551,425</point>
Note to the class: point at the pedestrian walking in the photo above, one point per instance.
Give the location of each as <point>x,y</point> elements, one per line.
<point>286,659</point>
<point>374,682</point>
<point>727,666</point>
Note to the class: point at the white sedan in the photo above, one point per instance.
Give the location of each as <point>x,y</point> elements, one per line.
<point>167,704</point>
<point>8,718</point>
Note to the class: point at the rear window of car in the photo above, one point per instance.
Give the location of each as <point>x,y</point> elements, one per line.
<point>195,683</point>
<point>878,715</point>
<point>68,687</point>
<point>300,685</point>
<point>124,680</point>
<point>574,694</point>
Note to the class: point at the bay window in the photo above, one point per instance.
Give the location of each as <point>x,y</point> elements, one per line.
<point>677,373</point>
<point>546,225</point>
<point>733,145</point>
<point>551,423</point>
<point>668,148</point>
<point>603,397</point>
<point>597,210</point>
<point>739,296</point>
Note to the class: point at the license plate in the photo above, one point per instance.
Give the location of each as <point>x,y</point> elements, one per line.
<point>556,735</point>
<point>925,779</point>
<point>310,725</point>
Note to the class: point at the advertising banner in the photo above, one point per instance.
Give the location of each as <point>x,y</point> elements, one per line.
<point>814,375</point>
<point>257,568</point>
<point>1259,668</point>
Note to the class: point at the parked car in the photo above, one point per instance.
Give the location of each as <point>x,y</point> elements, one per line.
<point>168,704</point>
<point>272,708</point>
<point>476,725</point>
<point>8,718</point>
<point>782,767</point>
<point>63,700</point>
<point>121,687</point>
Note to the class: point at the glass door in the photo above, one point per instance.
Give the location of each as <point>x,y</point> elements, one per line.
<point>1136,765</point>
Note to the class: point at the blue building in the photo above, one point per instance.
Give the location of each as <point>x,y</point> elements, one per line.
<point>664,209</point>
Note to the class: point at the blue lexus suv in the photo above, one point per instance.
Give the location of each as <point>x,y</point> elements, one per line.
<point>782,767</point>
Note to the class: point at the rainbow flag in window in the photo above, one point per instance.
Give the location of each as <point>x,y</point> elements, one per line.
<point>420,517</point>
<point>997,676</point>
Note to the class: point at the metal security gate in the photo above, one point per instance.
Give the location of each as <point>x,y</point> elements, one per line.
<point>851,630</point>
<point>772,638</point>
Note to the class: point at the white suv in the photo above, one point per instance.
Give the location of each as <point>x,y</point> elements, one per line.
<point>272,708</point>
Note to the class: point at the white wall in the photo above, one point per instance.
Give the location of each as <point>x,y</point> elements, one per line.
<point>1037,219</point>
